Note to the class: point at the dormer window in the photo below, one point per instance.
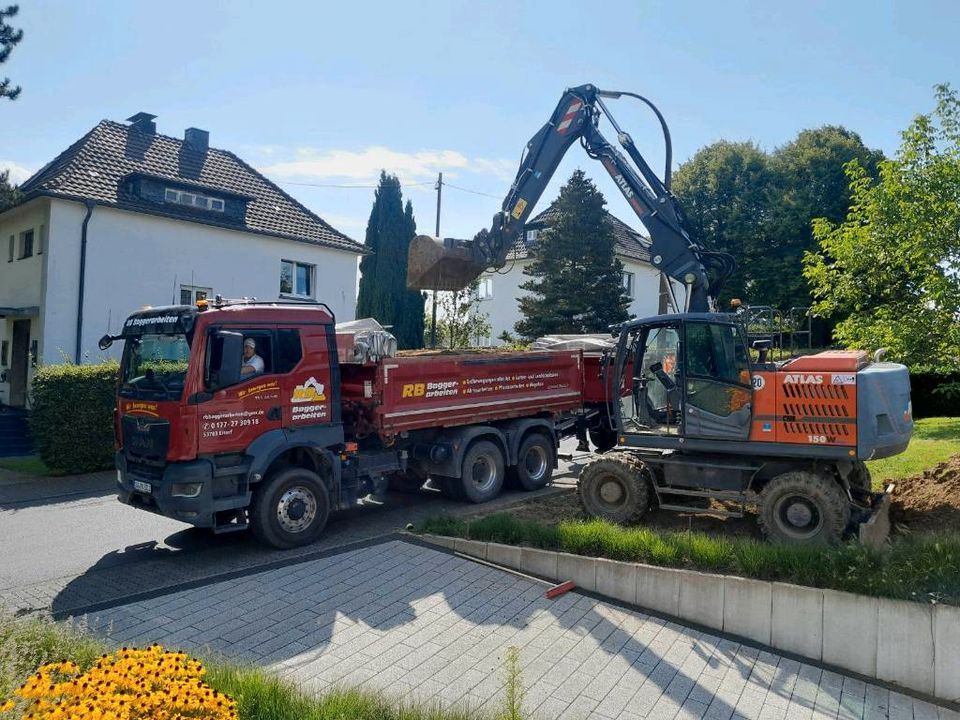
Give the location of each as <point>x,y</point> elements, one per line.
<point>193,199</point>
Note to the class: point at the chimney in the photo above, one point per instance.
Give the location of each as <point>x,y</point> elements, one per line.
<point>143,122</point>
<point>197,139</point>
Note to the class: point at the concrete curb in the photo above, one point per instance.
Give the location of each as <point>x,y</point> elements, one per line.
<point>909,644</point>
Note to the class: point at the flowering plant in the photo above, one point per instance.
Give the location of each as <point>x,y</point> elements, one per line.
<point>130,684</point>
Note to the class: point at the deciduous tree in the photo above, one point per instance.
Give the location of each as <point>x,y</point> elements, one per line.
<point>892,265</point>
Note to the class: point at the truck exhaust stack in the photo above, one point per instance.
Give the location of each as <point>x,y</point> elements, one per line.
<point>446,264</point>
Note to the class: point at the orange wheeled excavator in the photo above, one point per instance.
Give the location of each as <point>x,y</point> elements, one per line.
<point>692,419</point>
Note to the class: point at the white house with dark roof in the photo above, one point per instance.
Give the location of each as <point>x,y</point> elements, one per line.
<point>125,218</point>
<point>499,293</point>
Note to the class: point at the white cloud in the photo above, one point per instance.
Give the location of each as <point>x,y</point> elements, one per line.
<point>18,173</point>
<point>364,166</point>
<point>351,225</point>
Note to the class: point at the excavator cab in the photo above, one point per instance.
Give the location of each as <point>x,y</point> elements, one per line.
<point>689,377</point>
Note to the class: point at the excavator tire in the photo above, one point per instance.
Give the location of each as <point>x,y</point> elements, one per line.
<point>804,508</point>
<point>860,476</point>
<point>614,487</point>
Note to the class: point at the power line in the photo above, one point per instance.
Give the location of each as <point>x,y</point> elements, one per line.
<point>346,187</point>
<point>474,192</point>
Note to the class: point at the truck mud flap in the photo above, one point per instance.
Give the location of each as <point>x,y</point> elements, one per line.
<point>875,531</point>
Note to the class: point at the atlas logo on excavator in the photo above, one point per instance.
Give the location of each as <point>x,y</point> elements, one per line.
<point>800,379</point>
<point>624,186</point>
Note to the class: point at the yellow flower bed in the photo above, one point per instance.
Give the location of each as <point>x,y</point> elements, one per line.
<point>130,684</point>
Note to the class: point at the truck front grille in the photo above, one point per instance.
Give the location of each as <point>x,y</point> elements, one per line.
<point>145,439</point>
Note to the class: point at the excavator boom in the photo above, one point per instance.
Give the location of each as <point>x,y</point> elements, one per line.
<point>451,264</point>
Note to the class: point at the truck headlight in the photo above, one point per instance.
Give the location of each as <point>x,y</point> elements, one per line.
<point>187,490</point>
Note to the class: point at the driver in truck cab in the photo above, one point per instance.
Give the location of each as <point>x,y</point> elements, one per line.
<point>252,363</point>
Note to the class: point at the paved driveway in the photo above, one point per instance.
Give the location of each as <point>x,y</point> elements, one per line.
<point>426,625</point>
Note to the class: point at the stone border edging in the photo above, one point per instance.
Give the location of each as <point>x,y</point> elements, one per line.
<point>910,644</point>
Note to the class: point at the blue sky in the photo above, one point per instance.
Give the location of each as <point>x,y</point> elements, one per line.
<point>327,93</point>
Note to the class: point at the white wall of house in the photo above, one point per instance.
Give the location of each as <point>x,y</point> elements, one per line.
<point>21,279</point>
<point>503,308</point>
<point>135,260</point>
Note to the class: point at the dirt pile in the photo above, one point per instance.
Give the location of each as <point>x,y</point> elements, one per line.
<point>931,500</point>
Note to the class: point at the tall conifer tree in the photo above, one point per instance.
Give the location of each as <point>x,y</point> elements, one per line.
<point>383,292</point>
<point>576,280</point>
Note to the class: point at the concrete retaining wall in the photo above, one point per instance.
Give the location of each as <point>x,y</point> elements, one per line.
<point>910,644</point>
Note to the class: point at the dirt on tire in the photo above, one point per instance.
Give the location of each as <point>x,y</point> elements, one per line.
<point>929,501</point>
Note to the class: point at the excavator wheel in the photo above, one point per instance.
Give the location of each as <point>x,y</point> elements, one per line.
<point>615,487</point>
<point>804,508</point>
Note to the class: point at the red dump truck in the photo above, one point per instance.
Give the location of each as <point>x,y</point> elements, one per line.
<point>334,416</point>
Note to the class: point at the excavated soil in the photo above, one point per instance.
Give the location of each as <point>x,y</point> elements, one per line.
<point>929,501</point>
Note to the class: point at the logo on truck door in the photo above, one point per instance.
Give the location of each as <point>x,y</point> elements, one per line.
<point>309,391</point>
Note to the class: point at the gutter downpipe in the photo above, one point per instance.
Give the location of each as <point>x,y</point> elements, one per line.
<point>83,271</point>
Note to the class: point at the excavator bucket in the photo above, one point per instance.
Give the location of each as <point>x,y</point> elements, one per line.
<point>440,264</point>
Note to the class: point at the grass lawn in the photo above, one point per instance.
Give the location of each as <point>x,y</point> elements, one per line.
<point>30,464</point>
<point>27,643</point>
<point>934,441</point>
<point>923,568</point>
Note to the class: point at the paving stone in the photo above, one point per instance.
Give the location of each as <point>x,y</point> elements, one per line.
<point>424,625</point>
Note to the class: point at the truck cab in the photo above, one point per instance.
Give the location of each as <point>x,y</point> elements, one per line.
<point>193,430</point>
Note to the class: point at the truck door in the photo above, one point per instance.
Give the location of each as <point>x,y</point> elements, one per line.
<point>309,388</point>
<point>237,415</point>
<point>717,384</point>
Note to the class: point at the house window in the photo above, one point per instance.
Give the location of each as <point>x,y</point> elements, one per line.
<point>296,279</point>
<point>192,199</point>
<point>4,352</point>
<point>13,242</point>
<point>26,244</point>
<point>628,284</point>
<point>189,294</point>
<point>485,289</point>
<point>531,236</point>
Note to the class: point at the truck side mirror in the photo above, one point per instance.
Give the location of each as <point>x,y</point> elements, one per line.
<point>105,342</point>
<point>228,358</point>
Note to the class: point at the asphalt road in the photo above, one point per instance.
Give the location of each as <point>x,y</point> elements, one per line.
<point>67,546</point>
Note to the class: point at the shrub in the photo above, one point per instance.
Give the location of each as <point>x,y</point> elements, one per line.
<point>130,683</point>
<point>72,418</point>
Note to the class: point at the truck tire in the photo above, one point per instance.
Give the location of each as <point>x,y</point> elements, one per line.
<point>482,476</point>
<point>535,461</point>
<point>805,508</point>
<point>289,509</point>
<point>603,439</point>
<point>615,488</point>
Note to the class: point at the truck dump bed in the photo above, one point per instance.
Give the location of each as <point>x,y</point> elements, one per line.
<point>430,390</point>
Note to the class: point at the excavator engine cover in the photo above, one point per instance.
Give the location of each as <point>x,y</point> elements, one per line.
<point>441,264</point>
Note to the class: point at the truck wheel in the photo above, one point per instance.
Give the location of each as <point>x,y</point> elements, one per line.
<point>603,439</point>
<point>614,488</point>
<point>289,509</point>
<point>534,468</point>
<point>482,476</point>
<point>805,508</point>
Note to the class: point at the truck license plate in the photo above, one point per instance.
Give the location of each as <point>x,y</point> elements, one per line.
<point>141,486</point>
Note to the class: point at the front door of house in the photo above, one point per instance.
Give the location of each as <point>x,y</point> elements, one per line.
<point>19,363</point>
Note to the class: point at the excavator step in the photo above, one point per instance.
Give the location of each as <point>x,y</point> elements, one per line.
<point>701,511</point>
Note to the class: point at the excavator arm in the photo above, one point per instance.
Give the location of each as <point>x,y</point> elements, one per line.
<point>453,264</point>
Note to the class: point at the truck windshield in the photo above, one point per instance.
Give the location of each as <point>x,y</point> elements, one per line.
<point>154,366</point>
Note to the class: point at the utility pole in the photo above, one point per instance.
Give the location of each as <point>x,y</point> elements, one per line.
<point>433,315</point>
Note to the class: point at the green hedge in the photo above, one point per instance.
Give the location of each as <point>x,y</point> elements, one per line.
<point>927,402</point>
<point>72,417</point>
